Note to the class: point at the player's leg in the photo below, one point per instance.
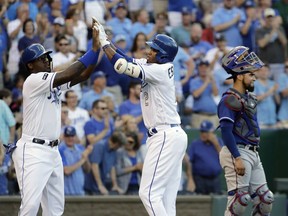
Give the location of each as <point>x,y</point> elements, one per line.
<point>260,193</point>
<point>237,186</point>
<point>173,184</point>
<point>52,201</point>
<point>158,168</point>
<point>32,174</point>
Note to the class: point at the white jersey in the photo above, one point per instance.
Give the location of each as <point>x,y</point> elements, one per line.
<point>78,119</point>
<point>42,106</point>
<point>158,97</point>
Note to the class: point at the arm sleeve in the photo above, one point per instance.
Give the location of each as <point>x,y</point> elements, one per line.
<point>228,137</point>
<point>128,58</point>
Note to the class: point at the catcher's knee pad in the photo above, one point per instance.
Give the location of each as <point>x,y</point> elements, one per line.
<point>240,201</point>
<point>266,198</point>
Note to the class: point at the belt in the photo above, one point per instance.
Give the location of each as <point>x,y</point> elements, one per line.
<point>153,131</point>
<point>45,142</point>
<point>254,148</point>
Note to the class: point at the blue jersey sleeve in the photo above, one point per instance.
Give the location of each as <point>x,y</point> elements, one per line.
<point>227,115</point>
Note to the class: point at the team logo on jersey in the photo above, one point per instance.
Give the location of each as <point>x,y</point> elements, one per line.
<point>45,76</point>
<point>55,95</point>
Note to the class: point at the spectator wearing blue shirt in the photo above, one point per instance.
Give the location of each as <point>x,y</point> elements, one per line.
<point>100,127</point>
<point>248,25</point>
<point>142,25</point>
<point>12,10</point>
<point>203,89</point>
<point>129,165</point>
<point>7,122</point>
<point>120,24</point>
<point>102,179</point>
<point>98,80</point>
<point>75,162</point>
<point>3,51</point>
<point>132,107</point>
<point>283,91</point>
<point>266,91</point>
<point>204,158</point>
<point>176,8</point>
<point>225,19</point>
<point>5,166</point>
<point>181,33</point>
<point>198,47</point>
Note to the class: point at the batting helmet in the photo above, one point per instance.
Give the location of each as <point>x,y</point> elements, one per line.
<point>240,61</point>
<point>166,46</point>
<point>33,52</point>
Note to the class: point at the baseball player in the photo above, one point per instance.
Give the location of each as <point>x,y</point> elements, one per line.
<point>167,142</point>
<point>37,160</point>
<point>239,157</point>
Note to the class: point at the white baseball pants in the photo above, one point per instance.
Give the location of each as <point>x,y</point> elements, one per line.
<point>39,172</point>
<point>162,169</point>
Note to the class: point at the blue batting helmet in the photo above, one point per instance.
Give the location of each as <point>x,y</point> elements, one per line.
<point>166,46</point>
<point>33,52</point>
<point>240,61</point>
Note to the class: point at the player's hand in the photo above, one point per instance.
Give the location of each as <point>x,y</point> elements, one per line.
<point>102,35</point>
<point>239,166</point>
<point>95,36</point>
<point>103,190</point>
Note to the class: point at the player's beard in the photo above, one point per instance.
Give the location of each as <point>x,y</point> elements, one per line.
<point>249,86</point>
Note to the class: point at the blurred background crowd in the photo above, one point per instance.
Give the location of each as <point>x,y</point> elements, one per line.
<point>103,135</point>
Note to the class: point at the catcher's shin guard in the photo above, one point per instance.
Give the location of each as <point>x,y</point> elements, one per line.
<point>265,199</point>
<point>240,201</point>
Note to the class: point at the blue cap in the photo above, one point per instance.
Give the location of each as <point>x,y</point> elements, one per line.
<point>121,5</point>
<point>96,75</point>
<point>219,37</point>
<point>249,3</point>
<point>69,131</point>
<point>204,62</point>
<point>206,126</point>
<point>186,10</point>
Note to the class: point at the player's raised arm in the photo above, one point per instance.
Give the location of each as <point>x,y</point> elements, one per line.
<point>81,70</point>
<point>122,63</point>
<point>37,59</point>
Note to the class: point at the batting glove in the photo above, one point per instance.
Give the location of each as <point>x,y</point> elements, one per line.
<point>102,35</point>
<point>10,147</point>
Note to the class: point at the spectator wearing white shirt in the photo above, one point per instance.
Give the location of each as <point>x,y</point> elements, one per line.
<point>63,58</point>
<point>77,115</point>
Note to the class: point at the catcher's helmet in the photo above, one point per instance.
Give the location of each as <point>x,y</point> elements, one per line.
<point>33,52</point>
<point>240,61</point>
<point>166,46</point>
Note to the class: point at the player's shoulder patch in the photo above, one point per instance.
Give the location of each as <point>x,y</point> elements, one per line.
<point>45,76</point>
<point>233,102</point>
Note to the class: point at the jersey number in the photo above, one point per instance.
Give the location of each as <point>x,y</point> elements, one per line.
<point>170,72</point>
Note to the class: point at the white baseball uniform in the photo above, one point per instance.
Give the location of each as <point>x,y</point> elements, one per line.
<point>167,141</point>
<point>38,166</point>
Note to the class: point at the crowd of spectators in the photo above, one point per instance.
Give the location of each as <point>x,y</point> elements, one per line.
<point>103,134</point>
